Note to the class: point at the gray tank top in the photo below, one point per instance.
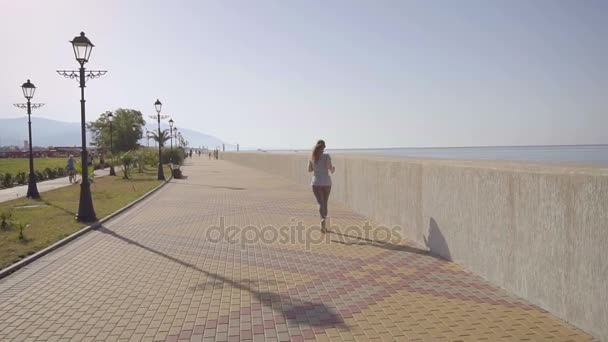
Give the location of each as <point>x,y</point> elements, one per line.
<point>320,175</point>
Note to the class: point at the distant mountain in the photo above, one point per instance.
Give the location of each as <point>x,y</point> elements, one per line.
<point>47,132</point>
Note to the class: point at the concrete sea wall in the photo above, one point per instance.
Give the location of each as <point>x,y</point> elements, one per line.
<point>539,231</point>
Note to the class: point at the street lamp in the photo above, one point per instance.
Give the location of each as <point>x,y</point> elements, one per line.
<point>110,119</point>
<point>161,174</point>
<point>28,91</point>
<point>171,137</point>
<point>82,51</point>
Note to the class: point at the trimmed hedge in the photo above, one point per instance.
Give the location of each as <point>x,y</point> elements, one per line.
<point>7,180</point>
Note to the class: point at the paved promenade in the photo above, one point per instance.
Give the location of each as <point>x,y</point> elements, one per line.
<point>166,271</point>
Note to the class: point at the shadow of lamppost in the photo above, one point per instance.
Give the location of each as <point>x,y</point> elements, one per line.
<point>82,51</point>
<point>28,92</point>
<point>110,119</point>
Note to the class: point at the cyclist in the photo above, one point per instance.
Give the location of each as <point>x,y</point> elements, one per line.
<point>71,168</point>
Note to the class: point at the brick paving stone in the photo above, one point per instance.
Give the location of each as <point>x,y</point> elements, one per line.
<point>231,253</point>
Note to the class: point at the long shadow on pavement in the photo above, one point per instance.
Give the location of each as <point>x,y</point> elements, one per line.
<point>362,241</point>
<point>292,313</point>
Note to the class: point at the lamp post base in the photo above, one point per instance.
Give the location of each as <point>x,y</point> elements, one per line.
<point>161,173</point>
<point>112,172</point>
<point>32,188</point>
<point>86,213</point>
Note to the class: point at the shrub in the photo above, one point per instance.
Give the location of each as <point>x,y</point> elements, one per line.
<point>50,173</point>
<point>21,178</point>
<point>40,176</point>
<point>90,170</point>
<point>108,159</point>
<point>141,159</point>
<point>150,156</point>
<point>100,166</point>
<point>176,156</point>
<point>127,162</point>
<point>8,180</point>
<point>61,172</point>
<point>21,227</point>
<point>5,220</point>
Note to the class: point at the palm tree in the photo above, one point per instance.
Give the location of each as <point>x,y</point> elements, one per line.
<point>164,136</point>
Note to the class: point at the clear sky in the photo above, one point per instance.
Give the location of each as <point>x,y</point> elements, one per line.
<point>281,74</point>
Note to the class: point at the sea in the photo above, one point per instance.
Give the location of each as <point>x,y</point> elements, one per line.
<point>578,154</point>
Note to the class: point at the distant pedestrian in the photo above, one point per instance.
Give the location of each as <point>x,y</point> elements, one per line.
<point>71,167</point>
<point>209,155</point>
<point>320,165</point>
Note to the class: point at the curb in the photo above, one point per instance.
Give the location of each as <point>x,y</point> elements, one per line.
<point>28,260</point>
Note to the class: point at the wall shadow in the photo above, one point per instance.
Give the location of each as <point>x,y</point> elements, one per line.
<point>436,242</point>
<point>292,309</point>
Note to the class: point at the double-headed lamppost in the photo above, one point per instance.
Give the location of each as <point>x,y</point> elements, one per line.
<point>28,91</point>
<point>110,119</point>
<point>158,106</point>
<point>82,51</point>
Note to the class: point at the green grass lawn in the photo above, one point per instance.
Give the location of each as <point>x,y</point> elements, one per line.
<point>52,217</point>
<point>15,165</point>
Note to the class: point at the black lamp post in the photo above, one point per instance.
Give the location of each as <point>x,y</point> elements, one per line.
<point>110,119</point>
<point>171,137</point>
<point>28,91</point>
<point>161,174</point>
<point>82,51</point>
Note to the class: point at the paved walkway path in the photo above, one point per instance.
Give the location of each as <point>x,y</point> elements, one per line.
<point>161,271</point>
<point>21,190</point>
